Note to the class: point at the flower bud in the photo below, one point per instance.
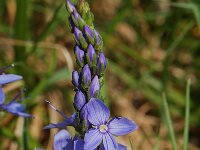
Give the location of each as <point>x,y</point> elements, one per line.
<point>77,20</point>
<point>98,42</point>
<point>98,38</point>
<point>77,33</point>
<point>91,54</point>
<point>79,55</point>
<point>86,75</point>
<point>79,100</point>
<point>89,34</point>
<point>70,6</point>
<point>101,64</point>
<point>94,87</point>
<point>75,78</point>
<point>75,15</point>
<point>79,38</point>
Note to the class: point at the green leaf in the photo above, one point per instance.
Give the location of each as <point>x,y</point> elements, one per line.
<point>187,116</point>
<point>168,120</point>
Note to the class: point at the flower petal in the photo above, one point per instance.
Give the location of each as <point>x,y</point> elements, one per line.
<point>120,147</point>
<point>23,114</point>
<point>79,144</point>
<point>84,115</point>
<point>121,126</point>
<point>67,122</point>
<point>109,142</point>
<point>16,109</point>
<point>56,125</point>
<point>2,96</point>
<point>93,138</point>
<point>62,139</point>
<point>7,78</point>
<point>98,112</point>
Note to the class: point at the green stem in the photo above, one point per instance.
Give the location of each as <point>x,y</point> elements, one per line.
<point>21,27</point>
<point>169,122</point>
<point>187,116</point>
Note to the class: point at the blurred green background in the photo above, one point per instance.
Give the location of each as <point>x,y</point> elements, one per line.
<point>152,47</point>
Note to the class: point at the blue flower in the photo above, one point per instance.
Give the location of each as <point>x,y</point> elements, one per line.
<point>64,141</point>
<point>12,107</point>
<point>104,129</point>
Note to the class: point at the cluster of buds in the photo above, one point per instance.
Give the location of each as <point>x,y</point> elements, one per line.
<point>91,120</point>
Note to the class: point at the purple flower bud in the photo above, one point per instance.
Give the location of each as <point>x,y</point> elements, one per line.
<point>79,100</point>
<point>91,52</point>
<point>86,75</point>
<point>88,31</point>
<point>101,63</point>
<point>98,38</point>
<point>94,87</point>
<point>79,54</point>
<point>75,15</point>
<point>77,33</point>
<point>70,6</point>
<point>75,78</point>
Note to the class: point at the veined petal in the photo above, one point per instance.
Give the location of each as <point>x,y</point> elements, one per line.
<point>98,112</point>
<point>92,139</point>
<point>2,96</point>
<point>7,78</point>
<point>121,126</point>
<point>109,142</point>
<point>120,147</point>
<point>61,139</point>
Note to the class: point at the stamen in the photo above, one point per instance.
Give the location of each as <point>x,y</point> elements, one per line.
<point>15,98</point>
<point>61,113</point>
<point>103,128</point>
<point>7,67</point>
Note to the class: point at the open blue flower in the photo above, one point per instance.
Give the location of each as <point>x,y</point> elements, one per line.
<point>64,141</point>
<point>12,107</point>
<point>104,129</point>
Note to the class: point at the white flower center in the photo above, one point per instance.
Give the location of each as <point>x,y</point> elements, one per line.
<point>103,128</point>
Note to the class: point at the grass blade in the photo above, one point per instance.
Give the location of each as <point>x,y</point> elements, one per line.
<point>48,28</point>
<point>187,116</point>
<point>131,142</point>
<point>169,122</point>
<point>20,31</point>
